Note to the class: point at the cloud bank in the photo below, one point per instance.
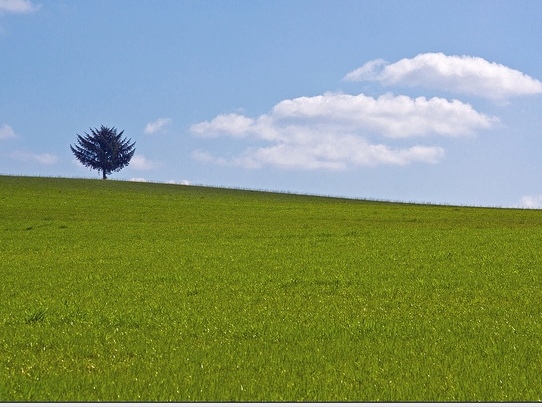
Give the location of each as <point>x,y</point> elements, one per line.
<point>339,131</point>
<point>18,6</point>
<point>459,74</point>
<point>334,131</point>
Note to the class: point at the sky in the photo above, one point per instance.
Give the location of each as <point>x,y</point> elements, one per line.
<point>412,101</point>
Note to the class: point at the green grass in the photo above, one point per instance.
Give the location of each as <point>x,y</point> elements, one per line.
<point>119,291</point>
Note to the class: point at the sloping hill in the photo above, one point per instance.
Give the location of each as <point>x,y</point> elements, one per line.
<point>131,291</point>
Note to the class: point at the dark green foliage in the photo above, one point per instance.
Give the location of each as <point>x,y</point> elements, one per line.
<point>104,150</point>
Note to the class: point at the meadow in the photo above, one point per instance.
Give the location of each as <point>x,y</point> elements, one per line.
<point>123,291</point>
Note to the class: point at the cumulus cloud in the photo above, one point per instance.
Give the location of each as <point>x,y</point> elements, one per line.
<point>530,202</point>
<point>332,131</point>
<point>233,124</point>
<point>18,6</point>
<point>6,132</point>
<point>156,126</point>
<point>140,162</point>
<point>460,74</point>
<point>388,116</point>
<point>43,159</point>
<point>340,155</point>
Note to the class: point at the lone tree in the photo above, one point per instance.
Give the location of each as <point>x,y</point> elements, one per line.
<point>104,150</point>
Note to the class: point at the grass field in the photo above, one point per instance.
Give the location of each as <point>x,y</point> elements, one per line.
<point>120,291</point>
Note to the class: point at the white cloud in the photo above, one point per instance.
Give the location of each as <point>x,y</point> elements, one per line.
<point>6,132</point>
<point>370,71</point>
<point>171,181</point>
<point>388,115</point>
<point>232,124</point>
<point>18,6</point>
<point>331,131</point>
<point>140,162</point>
<point>43,159</point>
<point>156,126</point>
<point>530,202</point>
<point>182,182</point>
<point>462,74</point>
<point>337,154</point>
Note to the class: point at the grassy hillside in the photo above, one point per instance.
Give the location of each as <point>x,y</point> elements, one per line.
<point>130,291</point>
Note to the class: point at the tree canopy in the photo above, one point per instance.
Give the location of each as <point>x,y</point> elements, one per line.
<point>104,150</point>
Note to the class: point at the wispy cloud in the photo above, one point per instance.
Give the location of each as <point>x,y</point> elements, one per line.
<point>332,131</point>
<point>43,159</point>
<point>460,74</point>
<point>6,132</point>
<point>156,126</point>
<point>140,162</point>
<point>18,6</point>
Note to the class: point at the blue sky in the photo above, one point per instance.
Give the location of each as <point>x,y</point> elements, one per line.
<point>424,101</point>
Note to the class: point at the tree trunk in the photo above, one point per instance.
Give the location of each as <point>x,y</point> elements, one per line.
<point>104,176</point>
